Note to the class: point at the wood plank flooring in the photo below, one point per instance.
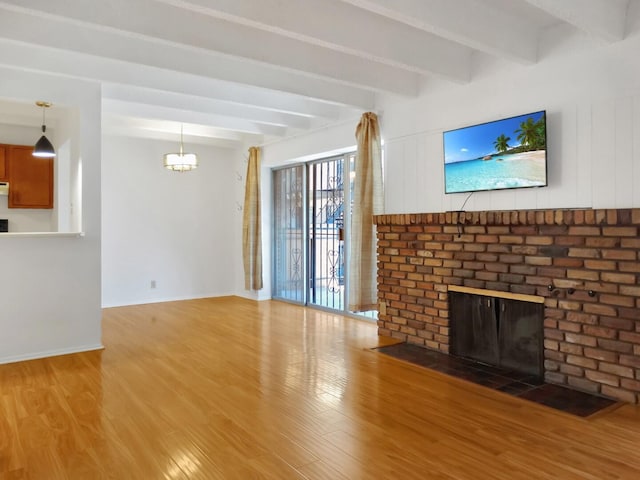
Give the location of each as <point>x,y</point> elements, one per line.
<point>233,389</point>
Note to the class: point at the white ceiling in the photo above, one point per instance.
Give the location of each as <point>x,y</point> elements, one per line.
<point>239,72</point>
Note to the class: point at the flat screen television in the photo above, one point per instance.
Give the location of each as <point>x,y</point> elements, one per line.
<point>507,153</point>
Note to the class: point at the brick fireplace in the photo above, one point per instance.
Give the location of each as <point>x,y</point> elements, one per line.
<point>584,263</point>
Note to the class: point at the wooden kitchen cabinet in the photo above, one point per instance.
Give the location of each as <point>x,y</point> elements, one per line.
<point>30,178</point>
<point>4,171</point>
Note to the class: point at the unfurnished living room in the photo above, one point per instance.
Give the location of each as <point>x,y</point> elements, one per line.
<point>320,239</point>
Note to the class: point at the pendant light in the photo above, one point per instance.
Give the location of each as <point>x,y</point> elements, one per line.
<point>181,162</point>
<point>43,147</point>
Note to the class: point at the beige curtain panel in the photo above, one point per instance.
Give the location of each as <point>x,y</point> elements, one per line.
<point>251,228</point>
<point>367,202</point>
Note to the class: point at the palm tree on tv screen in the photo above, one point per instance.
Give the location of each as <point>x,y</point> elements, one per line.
<point>532,134</point>
<point>541,134</point>
<point>527,132</point>
<point>502,143</point>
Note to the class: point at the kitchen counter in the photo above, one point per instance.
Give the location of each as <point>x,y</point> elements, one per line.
<point>42,234</point>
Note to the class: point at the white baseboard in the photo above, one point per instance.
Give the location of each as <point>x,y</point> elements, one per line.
<point>50,353</point>
<point>165,299</point>
<point>253,296</point>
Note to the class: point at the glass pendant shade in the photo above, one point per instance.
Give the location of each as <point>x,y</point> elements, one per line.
<point>43,147</point>
<point>180,162</point>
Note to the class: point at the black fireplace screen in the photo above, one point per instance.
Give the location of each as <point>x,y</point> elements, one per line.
<point>498,331</point>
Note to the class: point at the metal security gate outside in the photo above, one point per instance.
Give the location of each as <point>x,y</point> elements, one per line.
<point>326,233</point>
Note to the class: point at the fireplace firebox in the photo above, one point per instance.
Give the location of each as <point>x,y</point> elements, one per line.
<point>504,332</point>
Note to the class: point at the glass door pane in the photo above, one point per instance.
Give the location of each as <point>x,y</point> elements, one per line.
<point>326,233</point>
<point>288,255</point>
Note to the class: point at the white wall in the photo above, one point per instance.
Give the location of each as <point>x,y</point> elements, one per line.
<point>68,176</point>
<point>592,99</point>
<point>50,286</point>
<point>321,143</point>
<point>174,228</point>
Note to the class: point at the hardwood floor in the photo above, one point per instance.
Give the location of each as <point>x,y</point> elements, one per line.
<point>232,389</point>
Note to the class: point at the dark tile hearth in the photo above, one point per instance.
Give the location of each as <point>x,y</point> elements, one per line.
<point>513,383</point>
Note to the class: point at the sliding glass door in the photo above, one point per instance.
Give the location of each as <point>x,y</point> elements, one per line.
<point>312,213</point>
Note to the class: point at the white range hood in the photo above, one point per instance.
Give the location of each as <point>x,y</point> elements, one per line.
<point>4,188</point>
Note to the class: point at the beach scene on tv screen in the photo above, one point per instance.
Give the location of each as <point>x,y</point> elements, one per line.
<point>509,153</point>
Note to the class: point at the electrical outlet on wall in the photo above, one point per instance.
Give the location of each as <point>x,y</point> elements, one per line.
<point>153,284</point>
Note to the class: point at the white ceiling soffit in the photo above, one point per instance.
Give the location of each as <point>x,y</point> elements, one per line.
<point>247,71</point>
<point>605,19</point>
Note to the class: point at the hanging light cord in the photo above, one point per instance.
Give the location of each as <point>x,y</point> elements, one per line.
<point>181,141</point>
<point>44,105</point>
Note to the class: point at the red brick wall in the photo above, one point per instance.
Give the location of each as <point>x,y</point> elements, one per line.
<point>591,343</point>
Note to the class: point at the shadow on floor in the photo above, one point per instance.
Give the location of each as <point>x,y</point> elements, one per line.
<point>514,383</point>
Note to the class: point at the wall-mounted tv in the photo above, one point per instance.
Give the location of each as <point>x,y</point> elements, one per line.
<point>507,153</point>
